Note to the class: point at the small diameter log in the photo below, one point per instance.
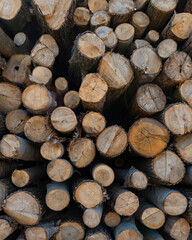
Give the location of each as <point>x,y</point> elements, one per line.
<point>52,150</point>
<point>176,227</point>
<point>127,230</point>
<point>116,70</point>
<point>6,188</point>
<point>97,5</point>
<point>178,118</point>
<point>131,178</point>
<point>159,12</point>
<point>24,177</point>
<point>123,201</point>
<point>148,100</point>
<point>185,91</point>
<point>63,120</point>
<point>15,121</point>
<point>10,97</point>
<point>38,99</point>
<point>98,233</point>
<point>61,85</point>
<point>81,18</point>
<point>107,35</point>
<point>88,193</point>
<point>103,174</point>
<point>111,219</point>
<point>120,11</point>
<point>148,137</point>
<point>7,167</point>
<point>112,142</point>
<point>166,48</point>
<point>183,145</point>
<point>140,21</point>
<point>45,51</point>
<point>25,206</point>
<point>39,129</point>
<point>171,202</point>
<point>149,215</point>
<point>57,197</point>
<point>150,234</point>
<point>146,63</point>
<point>13,146</point>
<point>152,37</point>
<point>100,18</point>
<point>125,33</point>
<point>41,75</point>
<point>179,27</point>
<point>188,176</point>
<point>81,152</point>
<point>7,226</point>
<point>72,100</point>
<point>187,47</point>
<point>92,216</point>
<point>21,40</point>
<point>93,92</point>
<point>177,69</point>
<point>59,170</point>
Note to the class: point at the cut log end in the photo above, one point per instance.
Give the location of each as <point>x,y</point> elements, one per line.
<point>51,150</point>
<point>166,48</point>
<point>186,92</point>
<point>9,9</point>
<point>184,147</point>
<point>100,18</point>
<point>61,85</point>
<point>41,75</point>
<point>81,17</point>
<point>112,219</point>
<point>97,5</point>
<point>71,99</point>
<point>20,178</point>
<point>153,218</point>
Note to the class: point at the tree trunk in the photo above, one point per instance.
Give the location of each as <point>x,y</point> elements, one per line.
<point>152,37</point>
<point>81,18</point>
<point>7,227</point>
<point>52,150</point>
<point>100,18</point>
<point>61,85</point>
<point>97,5</point>
<point>98,233</point>
<point>166,48</point>
<point>41,75</point>
<point>140,22</point>
<point>184,147</point>
<point>92,216</point>
<point>6,188</point>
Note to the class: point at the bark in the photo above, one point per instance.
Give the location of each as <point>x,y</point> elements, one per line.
<point>98,233</point>
<point>140,21</point>
<point>6,188</point>
<point>140,5</point>
<point>150,234</point>
<point>188,194</point>
<point>97,5</point>
<point>152,37</point>
<point>188,7</point>
<point>188,176</point>
<point>184,147</point>
<point>2,125</point>
<point>7,226</point>
<point>187,47</point>
<point>21,40</point>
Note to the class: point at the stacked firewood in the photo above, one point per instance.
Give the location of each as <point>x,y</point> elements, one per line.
<point>95,119</point>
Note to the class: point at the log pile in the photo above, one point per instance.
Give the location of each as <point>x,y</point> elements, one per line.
<point>95,119</point>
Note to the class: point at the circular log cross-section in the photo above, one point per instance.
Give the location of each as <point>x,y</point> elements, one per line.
<point>112,219</point>
<point>100,18</point>
<point>185,91</point>
<point>61,85</point>
<point>92,216</point>
<point>93,92</point>
<point>140,22</point>
<point>166,48</point>
<point>97,5</point>
<point>81,17</point>
<point>152,37</point>
<point>52,150</point>
<point>81,152</point>
<point>63,120</point>
<point>71,100</point>
<point>7,226</point>
<point>183,145</point>
<point>148,137</point>
<point>41,75</point>
<point>112,142</point>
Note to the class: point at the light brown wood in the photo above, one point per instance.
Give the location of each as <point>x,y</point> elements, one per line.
<point>41,75</point>
<point>100,18</point>
<point>71,99</point>
<point>183,145</point>
<point>112,219</point>
<point>152,37</point>
<point>140,22</point>
<point>59,170</point>
<point>150,234</point>
<point>112,142</point>
<point>185,90</point>
<point>138,43</point>
<point>52,150</point>
<point>148,137</point>
<point>7,226</point>
<point>6,188</point>
<point>97,5</point>
<point>61,85</point>
<point>92,216</point>
<point>81,18</point>
<point>99,232</point>
<point>166,48</point>
<point>81,152</point>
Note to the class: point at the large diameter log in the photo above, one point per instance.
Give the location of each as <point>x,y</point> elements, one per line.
<point>41,75</point>
<point>98,233</point>
<point>152,37</point>
<point>140,22</point>
<point>176,227</point>
<point>171,202</point>
<point>179,27</point>
<point>187,47</point>
<point>92,216</point>
<point>148,100</point>
<point>127,230</point>
<point>13,146</point>
<point>25,206</point>
<point>112,142</point>
<point>52,150</point>
<point>10,97</point>
<point>97,5</point>
<point>183,145</point>
<point>148,137</point>
<point>177,69</point>
<point>7,167</point>
<point>100,18</point>
<point>61,85</point>
<point>81,152</point>
<point>159,12</point>
<point>81,18</point>
<point>72,100</point>
<point>7,227</point>
<point>116,70</point>
<point>166,48</point>
<point>6,188</point>
<point>93,92</point>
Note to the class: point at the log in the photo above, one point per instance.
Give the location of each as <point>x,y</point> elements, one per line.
<point>166,48</point>
<point>177,227</point>
<point>93,124</point>
<point>132,178</point>
<point>116,70</point>
<point>127,230</point>
<point>150,234</point>
<point>100,18</point>
<point>179,27</point>
<point>13,146</point>
<point>148,137</point>
<point>6,188</point>
<point>184,93</point>
<point>148,100</point>
<point>92,216</point>
<point>61,85</point>
<point>120,11</point>
<point>7,226</point>
<point>123,201</point>
<point>112,142</point>
<point>152,37</point>
<point>159,12</point>
<point>97,5</point>
<point>146,63</point>
<point>81,152</point>
<point>59,170</point>
<point>38,99</point>
<point>72,100</point>
<point>140,21</point>
<point>41,75</point>
<point>10,97</point>
<point>138,43</point>
<point>103,174</point>
<point>187,47</point>
<point>57,197</point>
<point>24,177</point>
<point>81,18</point>
<point>98,233</point>
<point>93,92</point>
<point>188,177</point>
<point>7,167</point>
<point>171,202</point>
<point>3,63</point>
<point>188,194</point>
<point>15,121</point>
<point>184,147</point>
<point>125,33</point>
<point>188,7</point>
<point>26,206</point>
<point>140,5</point>
<point>176,70</point>
<point>21,40</point>
<point>2,125</point>
<point>38,129</point>
<point>52,150</point>
<point>107,35</point>
<point>111,219</point>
